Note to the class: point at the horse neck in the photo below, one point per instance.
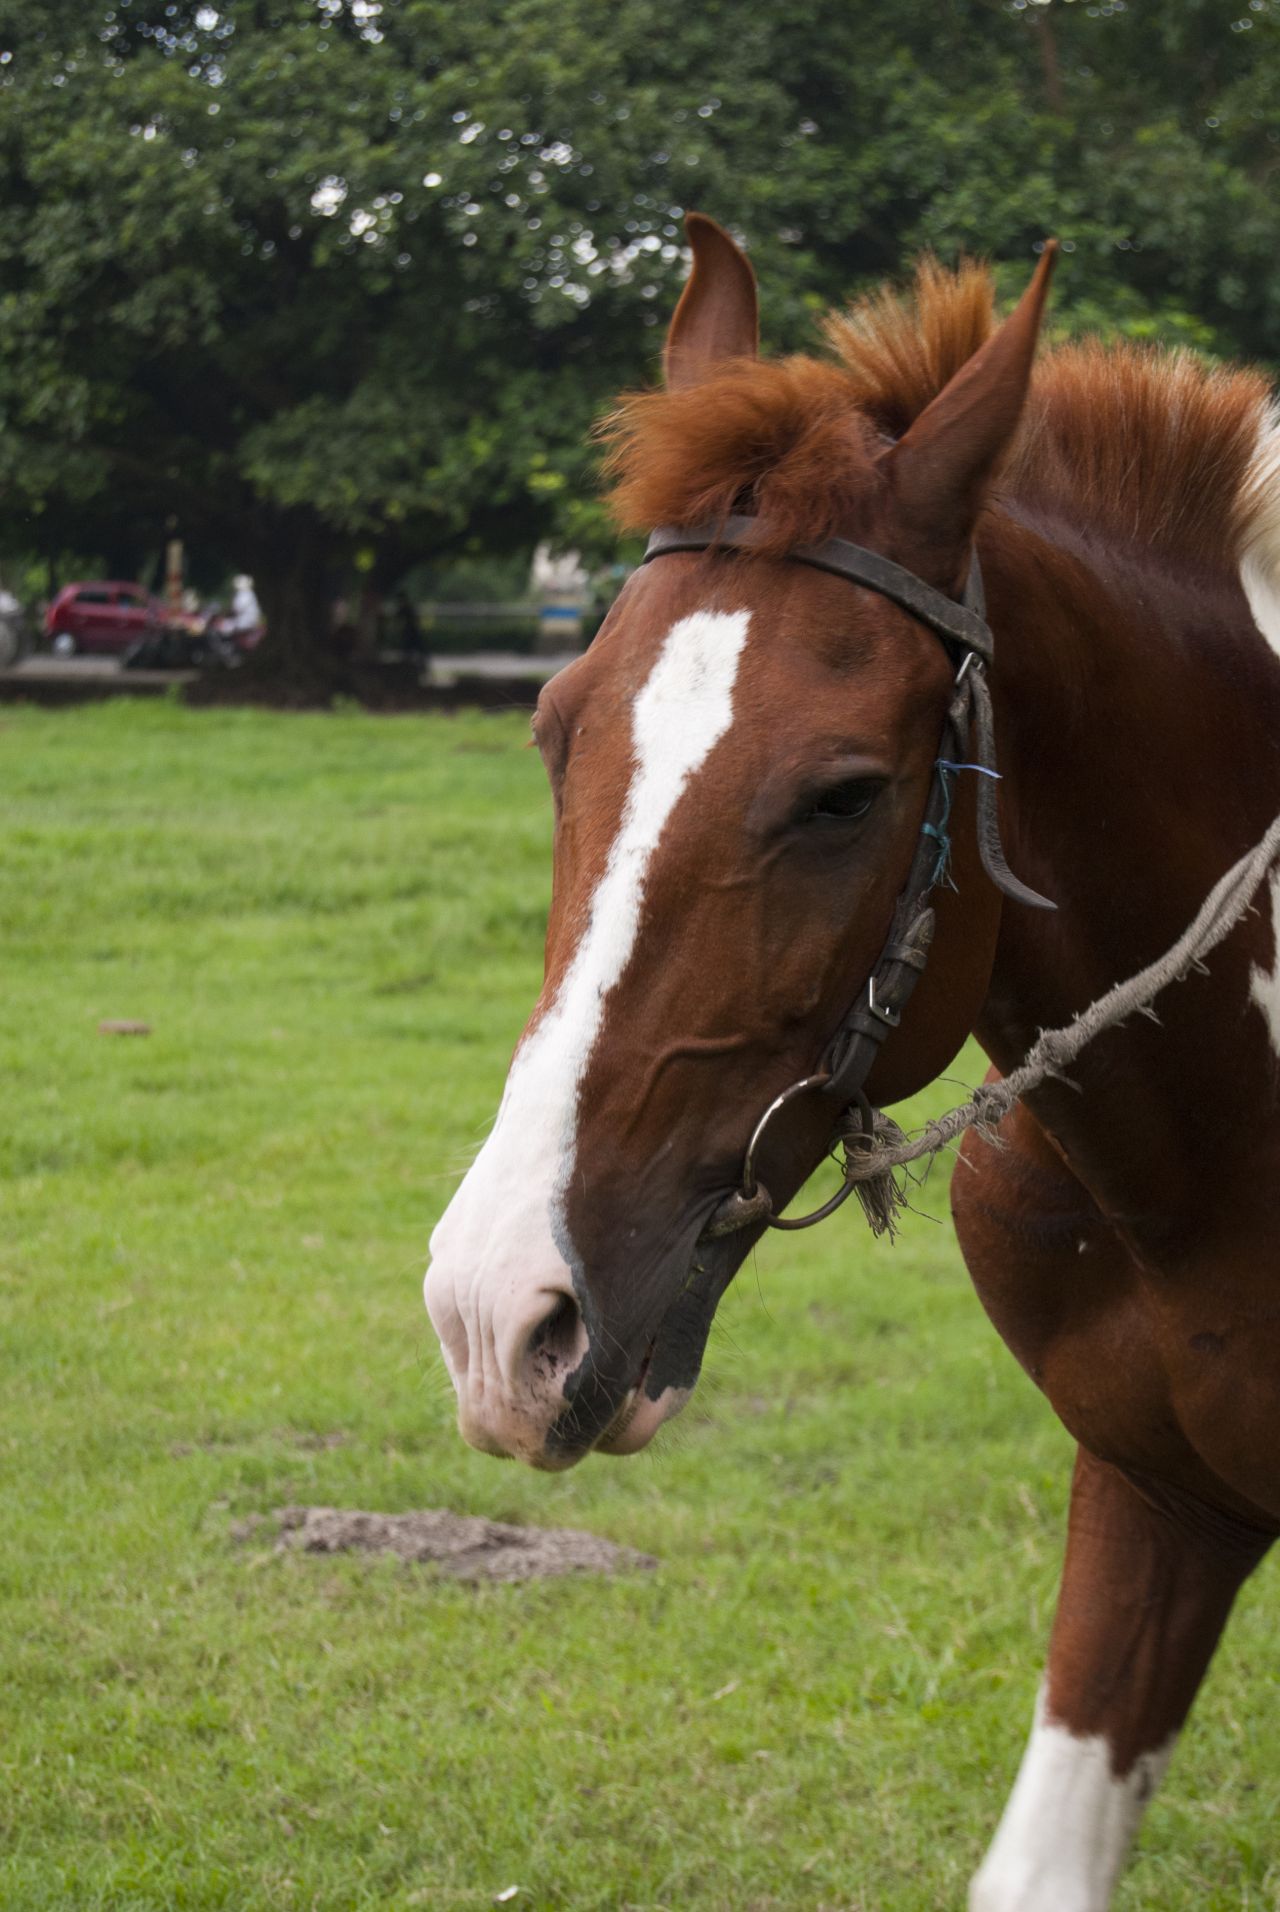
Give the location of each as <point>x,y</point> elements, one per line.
<point>1138,720</point>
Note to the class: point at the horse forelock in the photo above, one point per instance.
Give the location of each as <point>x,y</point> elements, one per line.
<point>778,439</point>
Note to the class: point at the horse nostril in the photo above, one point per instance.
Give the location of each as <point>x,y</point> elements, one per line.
<point>559,1340</point>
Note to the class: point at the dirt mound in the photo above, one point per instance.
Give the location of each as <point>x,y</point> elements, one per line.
<point>460,1545</point>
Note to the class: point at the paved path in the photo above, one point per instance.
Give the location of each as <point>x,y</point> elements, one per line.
<point>71,679</point>
<point>507,667</point>
<point>84,673</point>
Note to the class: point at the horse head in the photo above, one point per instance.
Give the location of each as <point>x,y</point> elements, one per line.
<point>739,767</point>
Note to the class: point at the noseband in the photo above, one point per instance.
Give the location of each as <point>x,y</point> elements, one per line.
<point>968,743</point>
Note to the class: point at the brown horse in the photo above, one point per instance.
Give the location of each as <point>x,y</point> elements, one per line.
<point>740,765</point>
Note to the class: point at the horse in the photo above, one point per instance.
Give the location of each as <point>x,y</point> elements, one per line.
<point>744,773</point>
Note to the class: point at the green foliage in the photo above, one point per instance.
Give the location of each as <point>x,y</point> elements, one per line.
<point>211,1246</point>
<point>297,276</point>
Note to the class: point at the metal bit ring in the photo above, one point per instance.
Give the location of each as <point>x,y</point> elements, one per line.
<point>750,1188</point>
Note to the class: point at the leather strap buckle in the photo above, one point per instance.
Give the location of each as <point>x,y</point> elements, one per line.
<point>885,1011</point>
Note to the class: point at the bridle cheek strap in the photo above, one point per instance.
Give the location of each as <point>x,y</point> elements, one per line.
<point>968,743</point>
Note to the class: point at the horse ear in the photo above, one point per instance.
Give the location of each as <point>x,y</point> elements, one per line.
<point>717,317</point>
<point>940,469</point>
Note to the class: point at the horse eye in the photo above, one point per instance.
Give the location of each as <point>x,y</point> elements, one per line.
<point>845,802</point>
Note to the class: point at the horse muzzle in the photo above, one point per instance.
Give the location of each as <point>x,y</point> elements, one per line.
<point>543,1378</point>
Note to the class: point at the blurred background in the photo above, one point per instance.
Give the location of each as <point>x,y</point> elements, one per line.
<point>327,294</point>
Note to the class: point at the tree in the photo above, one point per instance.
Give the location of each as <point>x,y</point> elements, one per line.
<point>243,295</point>
<point>318,280</point>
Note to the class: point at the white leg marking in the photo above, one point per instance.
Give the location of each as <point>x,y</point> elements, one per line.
<point>1067,1827</point>
<point>1264,986</point>
<point>499,1240</point>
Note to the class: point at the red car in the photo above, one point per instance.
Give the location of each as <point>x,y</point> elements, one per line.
<point>100,617</point>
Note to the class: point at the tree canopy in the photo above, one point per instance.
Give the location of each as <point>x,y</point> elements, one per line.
<point>321,281</point>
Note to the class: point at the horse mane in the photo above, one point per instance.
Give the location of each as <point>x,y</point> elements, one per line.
<point>1142,443</point>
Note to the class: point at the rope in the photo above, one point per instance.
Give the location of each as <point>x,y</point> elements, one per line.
<point>868,1162</point>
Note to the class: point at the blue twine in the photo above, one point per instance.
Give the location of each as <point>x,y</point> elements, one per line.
<point>938,831</point>
<point>983,770</point>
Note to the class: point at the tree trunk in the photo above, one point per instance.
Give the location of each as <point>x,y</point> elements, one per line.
<point>1055,98</point>
<point>295,592</point>
<point>306,658</point>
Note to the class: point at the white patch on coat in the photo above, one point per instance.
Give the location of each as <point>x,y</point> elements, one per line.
<point>497,1260</point>
<point>1068,1825</point>
<point>1262,588</point>
<point>1264,985</point>
<point>1260,577</point>
<point>1260,563</point>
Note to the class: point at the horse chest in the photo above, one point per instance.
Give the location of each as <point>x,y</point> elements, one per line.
<point>1174,1375</point>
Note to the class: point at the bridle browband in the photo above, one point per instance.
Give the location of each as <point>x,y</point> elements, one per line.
<point>968,742</point>
<point>963,621</point>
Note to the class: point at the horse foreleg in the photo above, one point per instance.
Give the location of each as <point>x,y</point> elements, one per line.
<point>1145,1593</point>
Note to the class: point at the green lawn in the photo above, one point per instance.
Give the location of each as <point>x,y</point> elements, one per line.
<point>211,1250</point>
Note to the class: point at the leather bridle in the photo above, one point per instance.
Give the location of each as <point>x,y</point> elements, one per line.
<point>968,743</point>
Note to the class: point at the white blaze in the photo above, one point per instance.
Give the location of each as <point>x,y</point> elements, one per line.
<point>1068,1824</point>
<point>500,1239</point>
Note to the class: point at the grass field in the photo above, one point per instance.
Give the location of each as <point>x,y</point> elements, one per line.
<point>211,1249</point>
